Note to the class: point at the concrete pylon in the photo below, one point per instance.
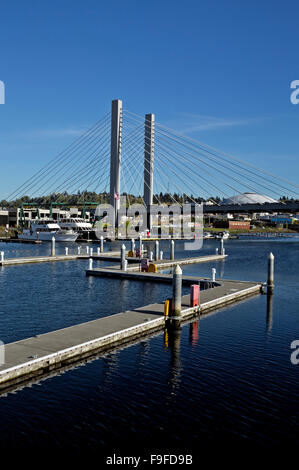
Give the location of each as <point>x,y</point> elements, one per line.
<point>149,136</point>
<point>115,155</point>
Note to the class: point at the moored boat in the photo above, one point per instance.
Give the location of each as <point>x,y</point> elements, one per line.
<point>82,227</point>
<point>45,230</point>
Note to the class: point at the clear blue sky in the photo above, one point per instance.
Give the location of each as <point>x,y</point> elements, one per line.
<point>219,71</point>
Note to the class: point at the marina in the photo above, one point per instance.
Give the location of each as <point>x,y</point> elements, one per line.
<point>34,356</point>
<point>149,243</point>
<point>246,327</point>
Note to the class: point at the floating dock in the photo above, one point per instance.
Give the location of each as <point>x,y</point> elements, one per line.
<point>41,259</point>
<point>19,240</point>
<point>34,357</point>
<point>147,277</point>
<point>108,256</point>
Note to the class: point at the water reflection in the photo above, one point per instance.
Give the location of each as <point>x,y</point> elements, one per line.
<point>221,270</point>
<point>142,354</point>
<point>110,367</point>
<point>269,317</point>
<point>175,369</point>
<point>194,333</point>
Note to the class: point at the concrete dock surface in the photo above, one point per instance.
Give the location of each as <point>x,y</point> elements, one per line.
<point>144,276</point>
<point>43,353</point>
<point>107,256</point>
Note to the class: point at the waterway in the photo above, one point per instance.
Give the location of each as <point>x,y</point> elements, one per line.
<point>227,378</point>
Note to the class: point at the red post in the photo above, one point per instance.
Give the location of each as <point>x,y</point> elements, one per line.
<point>194,295</point>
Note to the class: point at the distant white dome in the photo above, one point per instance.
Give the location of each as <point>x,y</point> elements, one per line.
<point>248,198</point>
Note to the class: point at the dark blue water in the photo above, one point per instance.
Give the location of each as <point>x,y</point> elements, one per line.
<point>225,379</point>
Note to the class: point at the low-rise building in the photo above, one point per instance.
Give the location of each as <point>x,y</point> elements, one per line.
<point>4,217</point>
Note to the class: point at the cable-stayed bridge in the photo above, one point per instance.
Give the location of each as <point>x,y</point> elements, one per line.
<point>124,154</point>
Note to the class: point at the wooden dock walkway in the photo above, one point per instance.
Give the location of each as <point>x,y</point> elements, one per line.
<point>41,354</point>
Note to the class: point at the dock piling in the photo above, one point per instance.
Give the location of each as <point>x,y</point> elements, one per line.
<point>87,250</point>
<point>171,249</point>
<point>102,244</point>
<point>213,274</point>
<point>123,258</point>
<point>53,246</point>
<point>91,251</point>
<point>161,255</point>
<point>156,250</point>
<point>79,250</point>
<point>270,281</point>
<point>221,246</point>
<point>98,251</point>
<point>66,251</point>
<point>132,245</point>
<point>151,256</point>
<point>1,256</point>
<point>177,295</point>
<point>140,243</point>
<point>90,264</point>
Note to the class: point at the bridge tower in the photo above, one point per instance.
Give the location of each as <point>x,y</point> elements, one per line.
<point>149,144</point>
<point>115,155</point>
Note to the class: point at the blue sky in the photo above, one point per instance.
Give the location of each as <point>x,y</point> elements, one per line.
<point>218,71</point>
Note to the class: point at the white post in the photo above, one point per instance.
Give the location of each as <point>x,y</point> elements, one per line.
<point>98,251</point>
<point>132,245</point>
<point>221,246</point>
<point>177,292</point>
<point>66,251</point>
<point>156,250</point>
<point>79,250</point>
<point>53,246</point>
<point>87,250</point>
<point>151,256</point>
<point>213,274</point>
<point>161,254</point>
<point>1,256</point>
<point>140,244</point>
<point>102,243</point>
<point>171,249</point>
<point>216,251</point>
<point>90,264</point>
<point>91,251</point>
<point>270,281</point>
<point>123,257</point>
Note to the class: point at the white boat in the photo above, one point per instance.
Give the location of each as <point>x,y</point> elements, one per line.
<point>45,230</point>
<point>208,235</point>
<point>224,235</point>
<point>82,227</point>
